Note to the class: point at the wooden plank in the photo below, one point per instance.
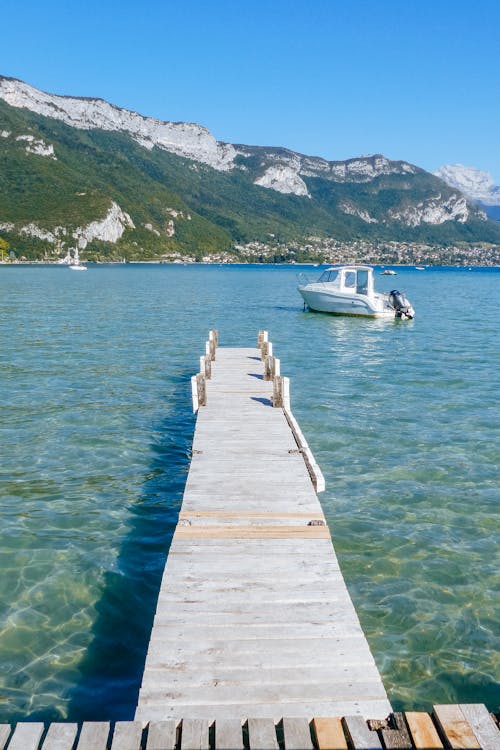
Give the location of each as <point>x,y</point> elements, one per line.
<point>251,532</point>
<point>194,734</point>
<point>423,731</point>
<point>262,734</point>
<point>396,737</point>
<point>361,737</point>
<point>127,735</point>
<point>162,735</point>
<point>297,733</point>
<point>5,730</point>
<point>247,514</point>
<point>329,733</point>
<point>60,736</point>
<point>455,727</point>
<point>94,735</point>
<point>228,734</point>
<point>482,724</point>
<point>26,736</point>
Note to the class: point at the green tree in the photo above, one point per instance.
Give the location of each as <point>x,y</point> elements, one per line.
<point>4,246</point>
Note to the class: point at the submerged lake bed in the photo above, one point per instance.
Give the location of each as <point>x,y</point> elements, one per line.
<point>96,427</point>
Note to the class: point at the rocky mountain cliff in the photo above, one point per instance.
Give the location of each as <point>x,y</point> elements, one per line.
<point>82,172</point>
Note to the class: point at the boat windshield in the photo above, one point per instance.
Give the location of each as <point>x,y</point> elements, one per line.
<point>329,275</point>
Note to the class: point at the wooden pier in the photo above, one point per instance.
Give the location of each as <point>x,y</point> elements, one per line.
<point>253,615</point>
<point>255,643</point>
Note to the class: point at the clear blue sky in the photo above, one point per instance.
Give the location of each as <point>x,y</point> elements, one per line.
<point>414,80</point>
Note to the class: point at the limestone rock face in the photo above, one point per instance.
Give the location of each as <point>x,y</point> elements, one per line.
<point>185,139</point>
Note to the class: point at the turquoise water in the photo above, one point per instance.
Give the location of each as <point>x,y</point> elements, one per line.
<point>95,434</point>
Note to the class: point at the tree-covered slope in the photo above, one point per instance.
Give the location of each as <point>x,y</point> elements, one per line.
<point>61,186</point>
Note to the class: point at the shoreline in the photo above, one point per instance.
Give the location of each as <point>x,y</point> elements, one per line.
<point>295,264</point>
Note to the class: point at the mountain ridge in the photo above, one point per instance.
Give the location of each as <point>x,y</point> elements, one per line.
<point>97,160</point>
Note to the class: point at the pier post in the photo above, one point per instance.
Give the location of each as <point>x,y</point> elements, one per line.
<point>281,392</point>
<point>206,366</point>
<point>271,367</point>
<point>261,337</point>
<point>266,349</point>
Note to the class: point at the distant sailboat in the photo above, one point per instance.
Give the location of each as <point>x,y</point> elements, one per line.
<point>76,264</point>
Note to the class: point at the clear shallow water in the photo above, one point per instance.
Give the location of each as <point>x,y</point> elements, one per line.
<point>95,433</point>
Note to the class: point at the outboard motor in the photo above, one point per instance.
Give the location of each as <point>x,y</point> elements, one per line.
<point>401,305</point>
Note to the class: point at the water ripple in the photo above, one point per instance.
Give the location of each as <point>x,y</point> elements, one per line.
<point>96,429</point>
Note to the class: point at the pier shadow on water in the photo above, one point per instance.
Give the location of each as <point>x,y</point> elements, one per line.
<point>111,671</point>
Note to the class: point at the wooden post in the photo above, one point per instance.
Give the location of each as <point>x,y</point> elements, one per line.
<point>213,340</point>
<point>206,366</point>
<point>266,349</point>
<point>198,391</point>
<point>210,349</point>
<point>268,368</point>
<point>201,388</point>
<point>262,336</point>
<point>271,367</point>
<point>281,392</point>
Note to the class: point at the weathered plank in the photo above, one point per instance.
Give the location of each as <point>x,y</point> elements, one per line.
<point>396,737</point>
<point>26,736</point>
<point>455,727</point>
<point>482,724</point>
<point>228,734</point>
<point>127,735</point>
<point>162,735</point>
<point>329,733</point>
<point>297,733</point>
<point>94,735</point>
<point>5,732</point>
<point>194,734</point>
<point>60,736</point>
<point>262,734</point>
<point>362,738</point>
<point>423,731</point>
<point>252,532</point>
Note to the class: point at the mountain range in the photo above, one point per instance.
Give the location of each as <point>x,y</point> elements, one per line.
<point>79,172</point>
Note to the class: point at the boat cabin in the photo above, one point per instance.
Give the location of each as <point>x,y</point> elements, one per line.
<point>349,279</point>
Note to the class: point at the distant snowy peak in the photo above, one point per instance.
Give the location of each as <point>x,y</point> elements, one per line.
<point>474,183</point>
<point>186,139</point>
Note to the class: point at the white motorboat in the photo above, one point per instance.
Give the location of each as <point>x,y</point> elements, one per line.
<point>388,272</point>
<point>349,290</point>
<point>76,264</point>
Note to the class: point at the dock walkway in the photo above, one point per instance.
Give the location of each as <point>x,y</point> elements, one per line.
<point>253,615</point>
<point>256,644</point>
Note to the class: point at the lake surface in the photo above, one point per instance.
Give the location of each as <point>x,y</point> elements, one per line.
<point>95,435</point>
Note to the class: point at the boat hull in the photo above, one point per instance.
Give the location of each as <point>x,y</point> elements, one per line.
<point>338,304</point>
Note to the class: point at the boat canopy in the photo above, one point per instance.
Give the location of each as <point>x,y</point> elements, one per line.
<point>357,279</point>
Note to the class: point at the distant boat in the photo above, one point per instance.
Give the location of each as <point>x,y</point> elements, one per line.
<point>419,268</point>
<point>388,272</point>
<point>76,264</point>
<point>349,290</point>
